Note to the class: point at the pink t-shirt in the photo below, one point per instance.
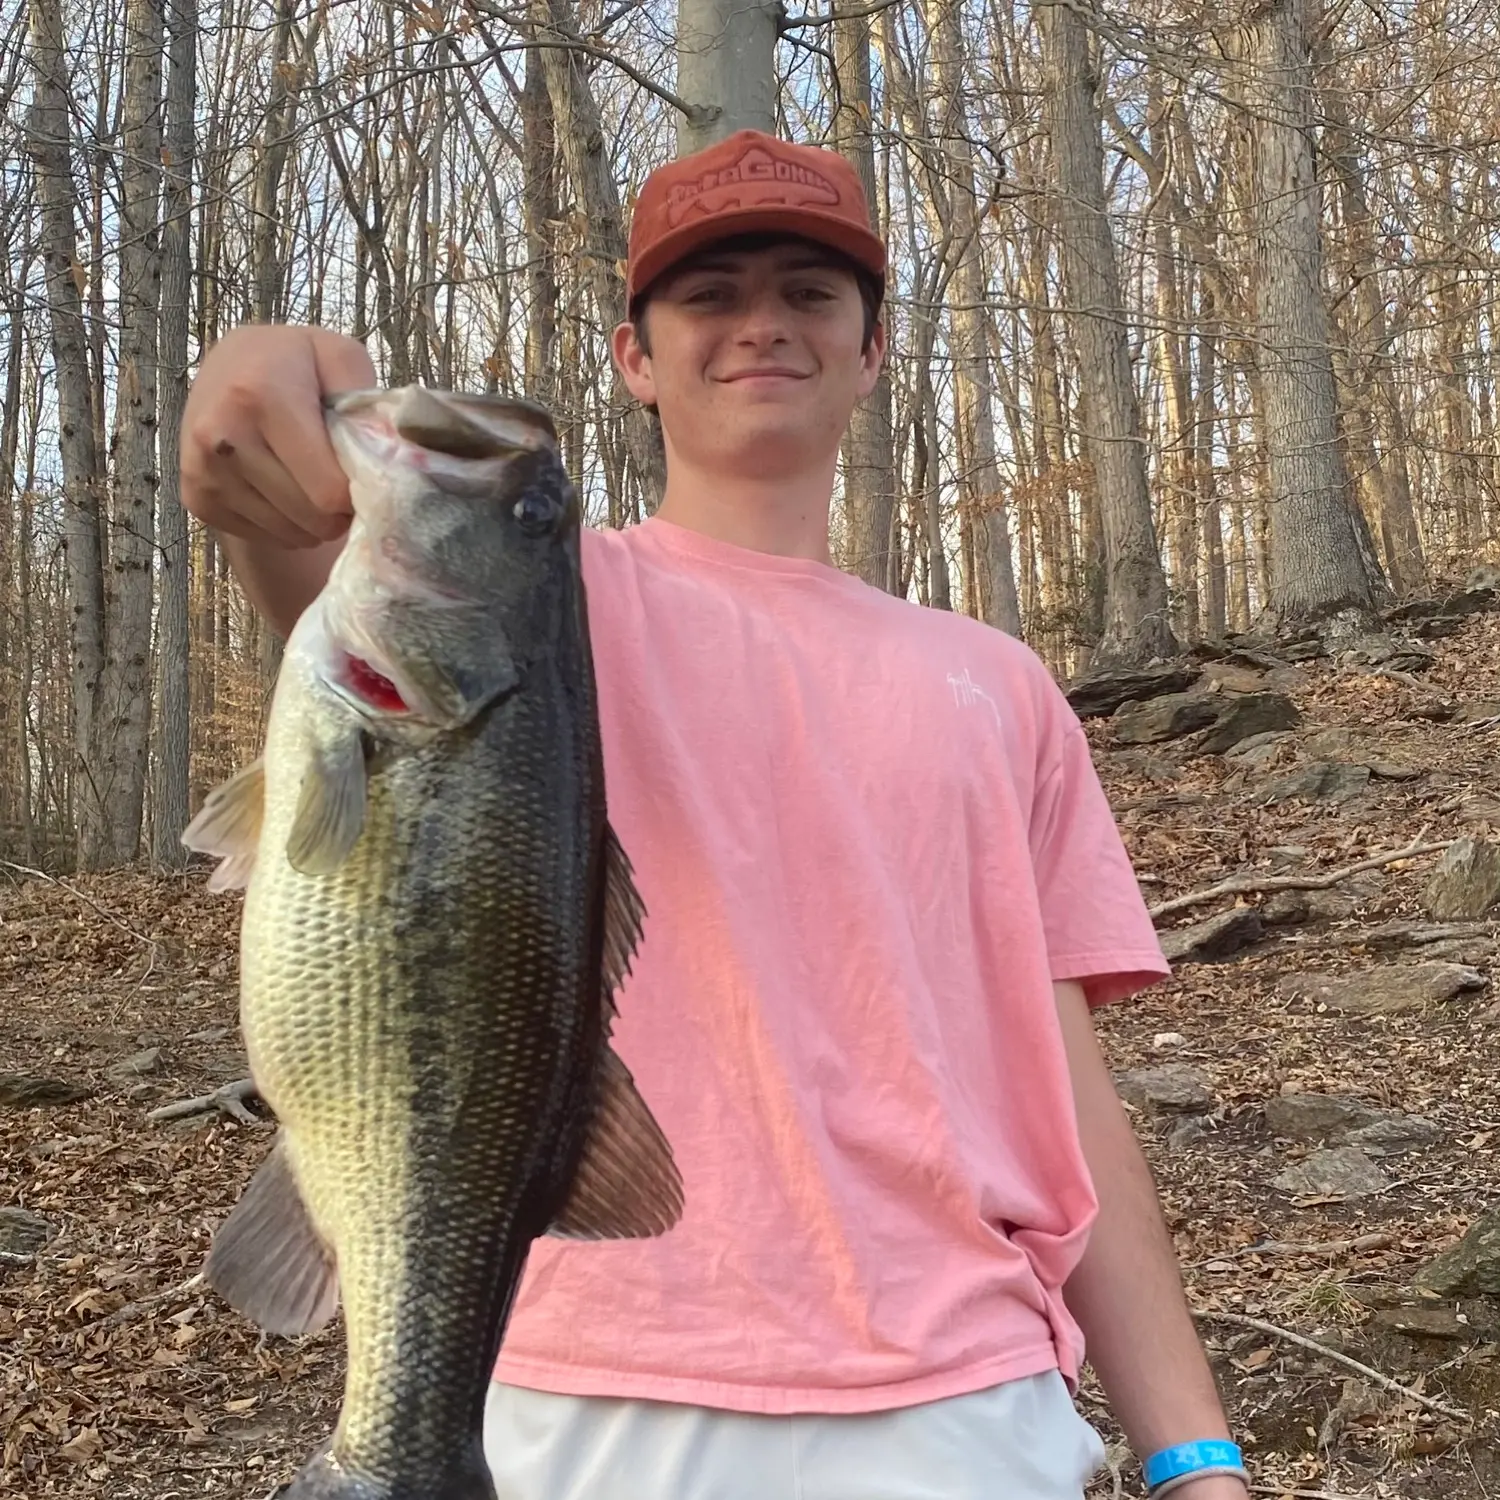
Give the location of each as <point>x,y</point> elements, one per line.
<point>869,837</point>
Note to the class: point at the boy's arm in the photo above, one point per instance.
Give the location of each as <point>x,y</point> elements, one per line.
<point>1126,1293</point>
<point>279,581</point>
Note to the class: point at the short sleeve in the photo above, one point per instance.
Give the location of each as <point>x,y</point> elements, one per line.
<point>1097,927</point>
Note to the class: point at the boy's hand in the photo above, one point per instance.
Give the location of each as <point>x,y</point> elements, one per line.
<point>256,460</point>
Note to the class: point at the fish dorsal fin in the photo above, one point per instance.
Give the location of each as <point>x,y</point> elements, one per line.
<point>228,824</point>
<point>627,1185</point>
<point>268,1261</point>
<point>623,912</point>
<point>331,808</point>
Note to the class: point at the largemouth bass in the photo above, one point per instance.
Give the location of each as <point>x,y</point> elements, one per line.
<point>436,916</point>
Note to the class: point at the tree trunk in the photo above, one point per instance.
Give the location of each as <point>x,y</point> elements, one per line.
<point>1214,601</point>
<point>12,704</point>
<point>169,791</point>
<point>1320,574</point>
<point>577,120</point>
<point>869,495</point>
<point>539,196</point>
<point>980,487</point>
<point>1136,623</point>
<point>125,699</point>
<point>726,69</point>
<point>1383,474</point>
<point>50,143</point>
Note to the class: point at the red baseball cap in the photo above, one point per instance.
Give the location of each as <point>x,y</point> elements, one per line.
<point>747,183</point>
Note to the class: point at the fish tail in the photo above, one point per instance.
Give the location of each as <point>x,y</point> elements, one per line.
<point>324,1478</point>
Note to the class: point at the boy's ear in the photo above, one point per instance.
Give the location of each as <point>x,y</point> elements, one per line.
<point>874,356</point>
<point>633,363</point>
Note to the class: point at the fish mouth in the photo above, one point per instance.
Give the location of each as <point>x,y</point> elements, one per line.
<point>458,425</point>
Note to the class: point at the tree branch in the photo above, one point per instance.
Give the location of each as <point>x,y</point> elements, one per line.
<point>1384,1381</point>
<point>697,114</point>
<point>788,23</point>
<point>1240,885</point>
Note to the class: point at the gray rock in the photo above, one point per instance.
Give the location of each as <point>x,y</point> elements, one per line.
<point>1394,1135</point>
<point>1336,904</point>
<point>1231,677</point>
<point>1186,1131</point>
<point>1415,609</point>
<point>1317,1118</point>
<point>1243,714</point>
<point>1168,1089</point>
<point>1164,718</point>
<point>1425,1322</point>
<point>1342,1170</point>
<point>1335,743</point>
<point>1320,781</point>
<point>1103,692</point>
<point>1257,750</point>
<point>27,1090</point>
<point>1476,709</point>
<point>1478,593</point>
<point>1395,770</point>
<point>1390,936</point>
<point>1139,761</point>
<point>1466,882</point>
<point>1286,908</point>
<point>1288,679</point>
<point>1308,650</point>
<point>1217,938</point>
<point>1471,1268</point>
<point>1438,628</point>
<point>1388,989</point>
<point>137,1065</point>
<point>23,1233</point>
<point>1343,1120</point>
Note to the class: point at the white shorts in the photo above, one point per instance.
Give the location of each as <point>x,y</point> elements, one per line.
<point>1023,1440</point>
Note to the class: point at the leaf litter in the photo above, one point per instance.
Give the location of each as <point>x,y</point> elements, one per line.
<point>121,1375</point>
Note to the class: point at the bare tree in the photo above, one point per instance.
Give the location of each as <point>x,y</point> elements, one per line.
<point>1323,571</point>
<point>725,69</point>
<point>123,714</point>
<point>51,152</point>
<point>869,488</point>
<point>1136,624</point>
<point>169,789</point>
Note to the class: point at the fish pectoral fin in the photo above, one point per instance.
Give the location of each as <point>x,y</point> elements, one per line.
<point>331,807</point>
<point>268,1261</point>
<point>627,1185</point>
<point>228,824</point>
<point>623,911</point>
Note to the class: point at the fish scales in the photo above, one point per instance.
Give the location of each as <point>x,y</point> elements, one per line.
<point>435,914</point>
<point>489,1054</point>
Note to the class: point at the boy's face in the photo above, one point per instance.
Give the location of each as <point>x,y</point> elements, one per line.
<point>756,358</point>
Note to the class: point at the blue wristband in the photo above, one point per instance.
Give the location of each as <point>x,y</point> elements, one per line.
<point>1187,1458</point>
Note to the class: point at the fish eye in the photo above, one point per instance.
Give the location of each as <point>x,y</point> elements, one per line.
<point>536,514</point>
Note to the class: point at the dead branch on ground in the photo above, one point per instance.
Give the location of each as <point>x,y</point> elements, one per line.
<point>230,1098</point>
<point>1303,1342</point>
<point>1240,885</point>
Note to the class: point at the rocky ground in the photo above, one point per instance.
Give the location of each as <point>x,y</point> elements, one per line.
<point>1316,1087</point>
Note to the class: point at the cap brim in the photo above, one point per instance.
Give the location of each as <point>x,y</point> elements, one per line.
<point>867,250</point>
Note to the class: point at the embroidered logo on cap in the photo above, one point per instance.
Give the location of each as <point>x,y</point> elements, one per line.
<point>756,180</point>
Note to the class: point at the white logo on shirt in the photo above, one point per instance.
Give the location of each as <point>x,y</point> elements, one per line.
<point>968,694</point>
